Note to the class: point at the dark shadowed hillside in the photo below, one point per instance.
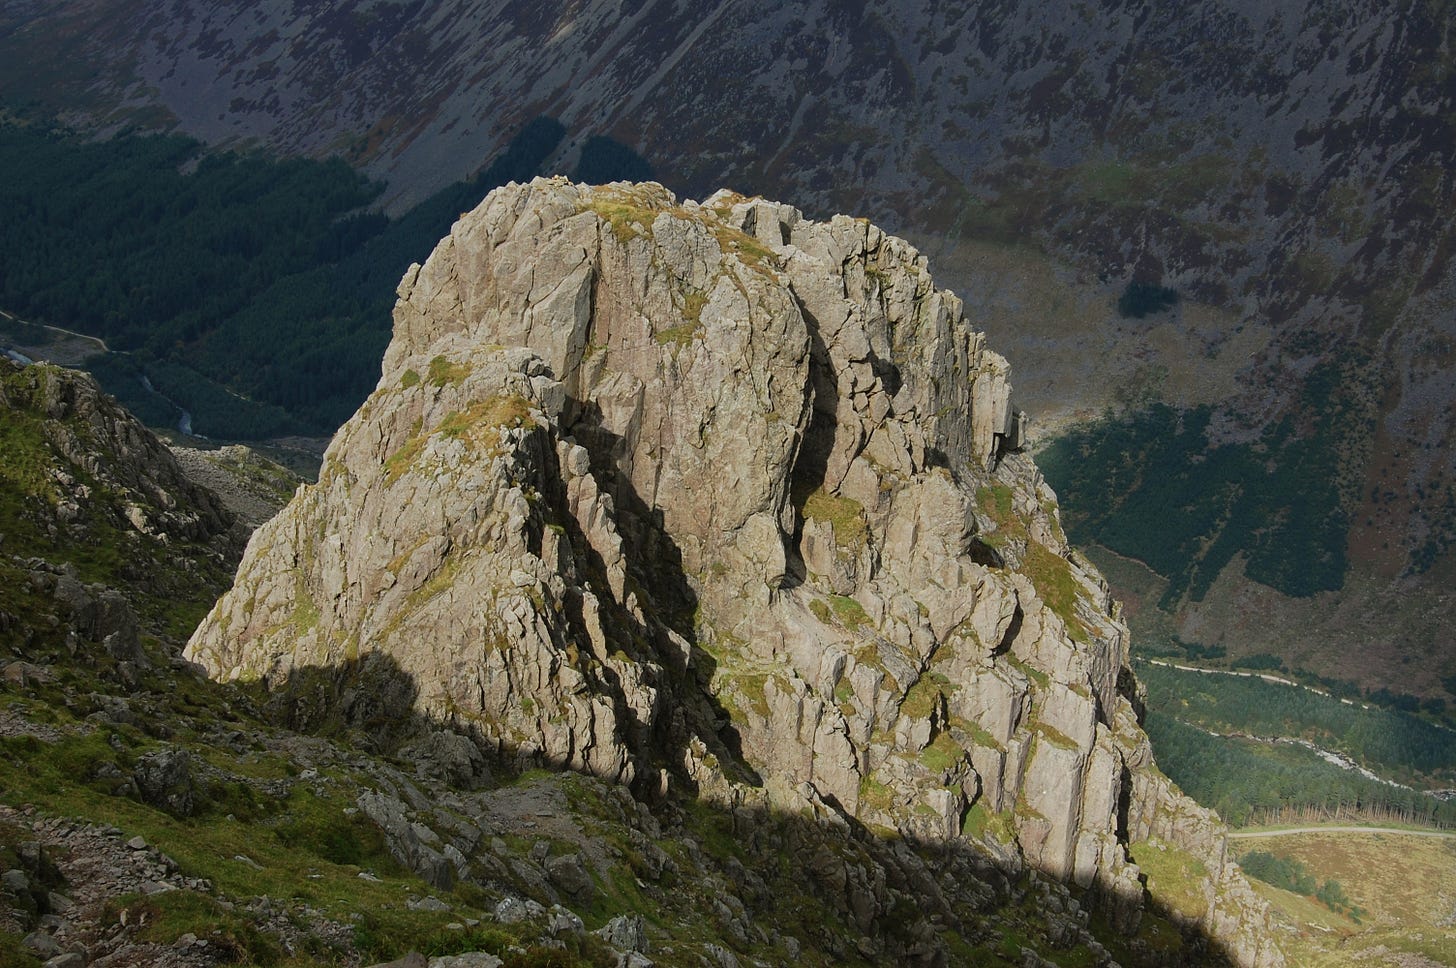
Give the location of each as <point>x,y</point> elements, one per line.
<point>1283,172</point>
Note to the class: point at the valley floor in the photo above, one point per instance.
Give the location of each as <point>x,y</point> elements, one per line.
<point>1402,881</point>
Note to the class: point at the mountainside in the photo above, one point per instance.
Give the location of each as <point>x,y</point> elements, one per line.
<point>717,501</point>
<point>95,513</point>
<point>1284,172</point>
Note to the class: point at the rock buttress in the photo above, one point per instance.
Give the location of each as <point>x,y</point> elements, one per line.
<point>716,495</point>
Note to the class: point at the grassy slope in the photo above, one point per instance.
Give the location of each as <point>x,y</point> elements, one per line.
<point>1404,885</point>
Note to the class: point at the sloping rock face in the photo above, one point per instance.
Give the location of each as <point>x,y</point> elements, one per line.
<point>96,517</point>
<point>717,497</point>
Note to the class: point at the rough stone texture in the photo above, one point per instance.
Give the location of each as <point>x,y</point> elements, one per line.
<point>93,493</point>
<point>164,780</point>
<point>115,453</point>
<point>675,493</point>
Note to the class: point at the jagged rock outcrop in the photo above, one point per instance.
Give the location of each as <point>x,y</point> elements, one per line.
<point>97,452</point>
<point>718,496</point>
<point>95,517</point>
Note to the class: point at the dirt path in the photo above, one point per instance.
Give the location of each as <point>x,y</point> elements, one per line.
<point>1252,834</point>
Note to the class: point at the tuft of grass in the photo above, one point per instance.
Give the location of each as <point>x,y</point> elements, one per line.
<point>408,379</point>
<point>875,795</point>
<point>629,214</point>
<point>443,372</point>
<point>1052,735</point>
<point>750,686</point>
<point>978,735</point>
<point>996,502</point>
<point>1031,672</point>
<point>692,307</point>
<point>923,698</point>
<point>845,515</point>
<point>942,754</point>
<point>681,335</point>
<point>751,252</point>
<point>980,821</point>
<point>848,612</point>
<point>1175,877</point>
<point>474,424</point>
<point>398,462</point>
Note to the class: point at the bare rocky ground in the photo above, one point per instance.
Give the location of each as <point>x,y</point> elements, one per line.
<point>93,866</point>
<point>250,485</point>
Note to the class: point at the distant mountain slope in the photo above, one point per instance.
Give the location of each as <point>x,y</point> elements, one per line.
<point>1289,166</point>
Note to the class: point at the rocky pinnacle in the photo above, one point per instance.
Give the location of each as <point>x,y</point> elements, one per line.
<point>713,498</point>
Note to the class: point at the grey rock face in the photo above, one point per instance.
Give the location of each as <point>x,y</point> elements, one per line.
<point>164,780</point>
<point>472,959</point>
<point>626,933</point>
<point>570,875</point>
<point>404,840</point>
<point>637,469</point>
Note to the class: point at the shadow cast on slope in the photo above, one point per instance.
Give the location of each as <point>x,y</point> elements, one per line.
<point>846,892</point>
<point>855,894</point>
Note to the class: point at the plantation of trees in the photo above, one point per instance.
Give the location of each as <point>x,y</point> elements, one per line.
<point>1390,742</point>
<point>1148,485</point>
<point>1249,782</point>
<point>253,291</point>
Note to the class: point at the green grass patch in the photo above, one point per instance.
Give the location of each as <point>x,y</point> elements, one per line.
<point>875,795</point>
<point>748,686</point>
<point>848,612</point>
<point>845,515</point>
<point>1290,874</point>
<point>401,460</point>
<point>474,424</point>
<point>629,214</point>
<point>1058,587</point>
<point>979,822</point>
<point>165,917</point>
<point>1031,672</point>
<point>1175,877</point>
<point>942,754</point>
<point>444,372</point>
<point>925,697</point>
<point>681,335</point>
<point>1052,735</point>
<point>321,828</point>
<point>995,501</point>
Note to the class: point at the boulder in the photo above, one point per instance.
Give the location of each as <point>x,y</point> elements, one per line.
<point>164,780</point>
